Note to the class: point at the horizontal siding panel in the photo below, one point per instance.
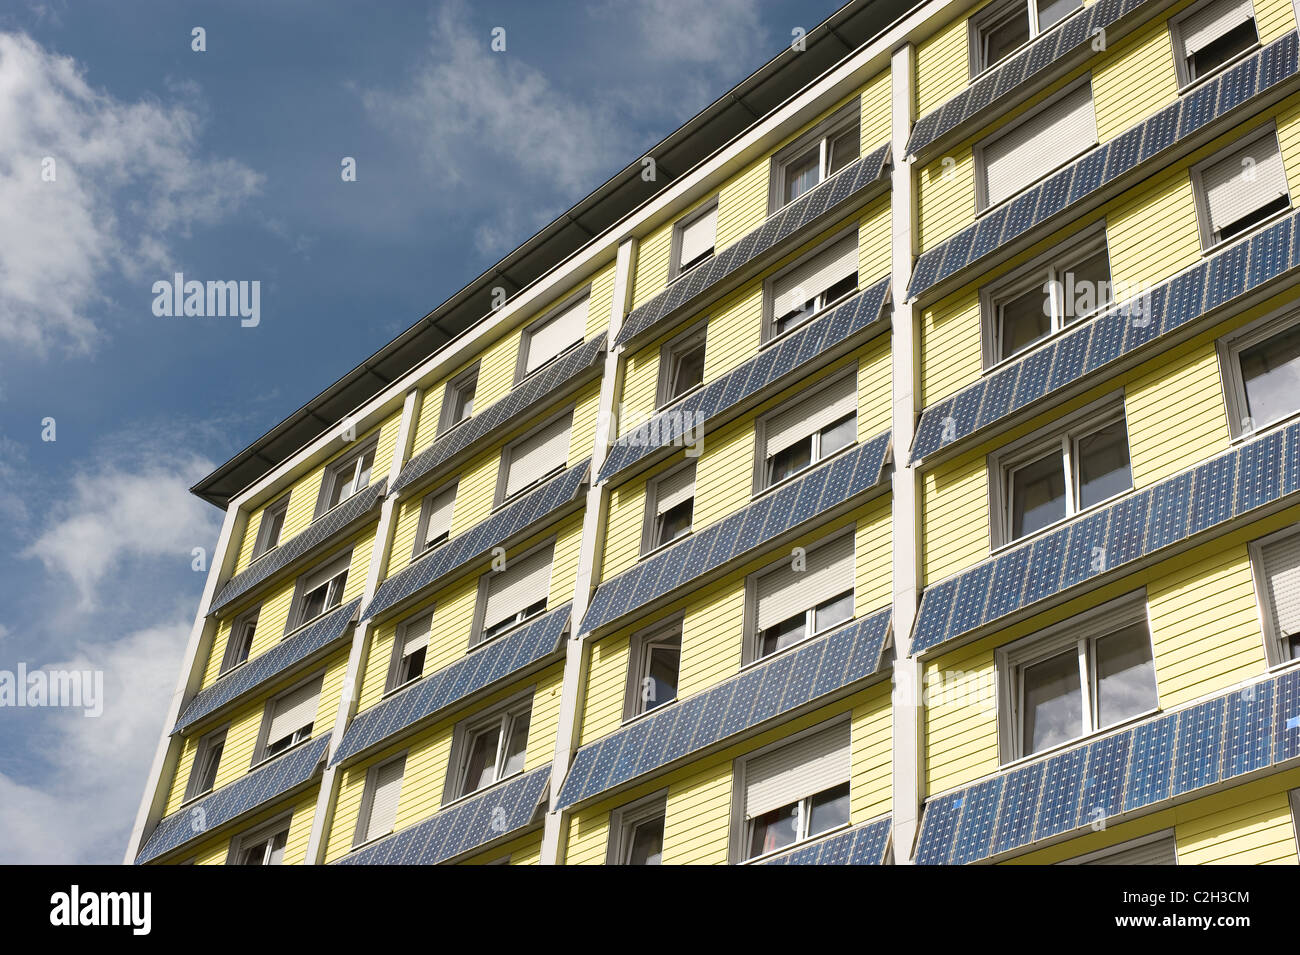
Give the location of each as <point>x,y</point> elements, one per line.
<point>961,731</point>
<point>1258,832</point>
<point>954,523</point>
<point>951,356</point>
<point>742,203</point>
<point>1152,234</point>
<point>1134,81</point>
<point>870,783</point>
<point>945,197</point>
<point>697,817</point>
<point>1273,18</point>
<point>1175,414</point>
<point>602,711</point>
<point>942,66</point>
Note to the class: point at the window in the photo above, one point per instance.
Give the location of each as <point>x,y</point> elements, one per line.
<point>811,429</point>
<point>268,531</point>
<point>816,157</point>
<point>1237,191</point>
<point>1210,35</point>
<point>321,590</point>
<point>1276,563</point>
<point>1081,465</point>
<point>693,238</point>
<point>670,507</point>
<point>1051,136</point>
<point>207,760</point>
<point>812,285</point>
<point>806,594</point>
<point>240,642</point>
<point>492,748</point>
<point>289,718</point>
<point>458,402</point>
<point>534,457</point>
<point>263,846</point>
<point>1076,678</point>
<point>346,478</point>
<point>681,365</point>
<point>515,593</point>
<point>796,791</point>
<point>1158,849</point>
<point>1048,296</point>
<point>410,645</point>
<point>1261,373</point>
<point>654,661</point>
<point>545,340</point>
<point>435,519</point>
<point>379,804</point>
<point>637,832</point>
<point>1003,28</point>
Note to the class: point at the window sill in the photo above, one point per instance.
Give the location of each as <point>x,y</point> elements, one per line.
<point>759,859</point>
<point>803,472</point>
<point>400,687</point>
<point>288,749</point>
<point>1057,525</point>
<point>1267,428</point>
<point>629,720</point>
<point>757,661</point>
<point>191,800</point>
<point>439,435</point>
<point>1222,67</point>
<point>659,549</point>
<point>1102,731</point>
<point>1261,224</point>
<point>478,792</point>
<point>668,404</point>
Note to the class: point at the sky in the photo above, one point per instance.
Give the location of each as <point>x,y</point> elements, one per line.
<point>127,156</point>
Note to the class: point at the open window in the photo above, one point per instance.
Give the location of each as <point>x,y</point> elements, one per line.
<point>1002,28</point>
<point>636,832</point>
<point>379,800</point>
<point>1275,561</point>
<point>346,477</point>
<point>272,523</point>
<point>654,666</point>
<point>490,747</point>
<point>458,401</point>
<point>207,761</point>
<point>262,846</point>
<point>1240,187</point>
<point>320,590</point>
<point>239,644</point>
<point>1260,367</point>
<point>817,282</point>
<point>806,593</point>
<point>670,507</point>
<point>1211,35</point>
<point>681,365</point>
<point>410,647</point>
<point>435,519</point>
<point>289,718</point>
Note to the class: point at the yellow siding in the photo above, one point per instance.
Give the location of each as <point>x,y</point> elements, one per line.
<point>1134,81</point>
<point>1273,18</point>
<point>724,475</point>
<point>735,330</point>
<point>712,634</point>
<point>875,396</point>
<point>1288,136</point>
<point>873,579</point>
<point>742,203</point>
<point>601,303</point>
<point>475,492</point>
<point>623,528</point>
<point>874,242</point>
<point>877,106</point>
<point>1175,413</point>
<point>295,848</point>
<point>588,837</point>
<point>872,741</point>
<point>1258,832</point>
<point>564,565</point>
<point>961,728</point>
<point>217,851</point>
<point>954,516</point>
<point>602,708</point>
<point>406,525</point>
<point>1152,234</point>
<point>582,436</point>
<point>545,720</point>
<point>945,196</point>
<point>526,850</point>
<point>640,385</point>
<point>697,815</point>
<point>374,676</point>
<point>652,261</point>
<point>942,66</point>
<point>950,345</point>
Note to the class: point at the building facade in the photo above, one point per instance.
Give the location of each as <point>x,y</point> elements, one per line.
<point>900,463</point>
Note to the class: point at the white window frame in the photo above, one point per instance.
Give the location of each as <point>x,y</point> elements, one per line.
<point>263,545</point>
<point>824,304</point>
<point>1043,269</point>
<point>624,820</point>
<point>994,12</point>
<point>1293,798</point>
<point>476,637</point>
<point>235,638</point>
<point>339,564</point>
<point>368,801</point>
<point>1185,81</point>
<point>1230,347</point>
<point>1275,651</point>
<point>452,396</point>
<point>1082,631</point>
<point>697,336</point>
<point>264,728</point>
<point>1065,436</point>
<point>347,468</point>
<point>505,714</point>
<point>426,508</point>
<point>675,255</point>
<point>638,664</point>
<point>525,337</point>
<point>848,115</point>
<point>1090,857</point>
<point>391,684</point>
<point>760,485</point>
<point>1205,227</point>
<point>202,756</point>
<point>264,834</point>
<point>649,544</point>
<point>500,498</point>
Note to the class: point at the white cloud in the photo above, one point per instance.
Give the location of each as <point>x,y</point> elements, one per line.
<point>127,180</point>
<point>687,31</point>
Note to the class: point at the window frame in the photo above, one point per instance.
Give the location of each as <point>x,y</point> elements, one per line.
<point>260,755</point>
<point>238,625</point>
<point>1229,348</point>
<point>277,508</point>
<point>675,270</point>
<point>202,754</point>
<point>650,522</point>
<point>1204,225</point>
<point>979,23</point>
<point>1065,434</point>
<point>264,833</point>
<point>507,713</point>
<point>827,129</point>
<point>368,801</point>
<point>336,468</point>
<point>697,336</point>
<point>525,336</point>
<point>1083,631</point>
<point>451,396</point>
<point>1176,43</point>
<point>624,820</point>
<point>426,512</point>
<point>476,637</point>
<point>297,607</point>
<point>391,684</point>
<point>638,663</point>
<point>1276,654</point>
<point>759,481</point>
<point>1128,844</point>
<point>499,497</point>
<point>769,332</point>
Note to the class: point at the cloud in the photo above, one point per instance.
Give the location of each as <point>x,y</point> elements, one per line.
<point>91,186</point>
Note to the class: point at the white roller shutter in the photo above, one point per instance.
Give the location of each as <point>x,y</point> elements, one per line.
<point>524,582</point>
<point>1039,145</point>
<point>294,710</point>
<point>415,634</point>
<point>810,765</point>
<point>677,488</point>
<point>810,415</point>
<point>557,333</point>
<point>784,592</point>
<point>815,275</point>
<point>538,454</point>
<point>1159,852</point>
<point>1282,580</point>
<point>1237,185</point>
<point>698,236</point>
<point>438,519</point>
<point>1213,21</point>
<point>383,799</point>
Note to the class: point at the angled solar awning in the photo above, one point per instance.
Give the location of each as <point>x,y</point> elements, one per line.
<point>1103,343</point>
<point>864,844</point>
<point>1263,77</point>
<point>201,818</point>
<point>326,527</point>
<point>1166,516</point>
<point>557,494</point>
<point>503,810</point>
<point>517,652</point>
<point>793,220</point>
<point>782,363</point>
<point>794,679</point>
<point>304,645</point>
<point>1169,758</point>
<point>537,391</point>
<point>830,485</point>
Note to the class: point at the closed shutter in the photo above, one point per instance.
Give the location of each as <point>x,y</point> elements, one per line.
<point>383,799</point>
<point>438,521</point>
<point>415,634</point>
<point>810,765</point>
<point>677,488</point>
<point>784,592</point>
<point>538,454</point>
<point>1159,852</point>
<point>1237,185</point>
<point>524,582</point>
<point>1034,148</point>
<point>1212,22</point>
<point>557,333</point>
<point>294,710</point>
<point>815,275</point>
<point>1282,580</point>
<point>810,415</point>
<point>698,236</point>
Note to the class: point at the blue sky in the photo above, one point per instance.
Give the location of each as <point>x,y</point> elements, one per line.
<point>225,164</point>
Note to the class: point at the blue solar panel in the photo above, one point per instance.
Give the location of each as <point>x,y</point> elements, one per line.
<point>1124,152</point>
<point>1228,275</point>
<point>988,233</point>
<point>1200,746</point>
<point>1249,735</point>
<point>1212,493</point>
<point>978,814</point>
<point>1071,351</point>
<point>1151,768</point>
<point>1086,550</point>
<point>1161,131</point>
<point>864,844</point>
<point>1259,473</point>
<point>1034,371</point>
<point>1058,809</point>
<point>938,829</point>
<point>1019,807</point>
<point>1103,781</point>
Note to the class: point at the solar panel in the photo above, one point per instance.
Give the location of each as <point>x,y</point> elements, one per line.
<point>864,844</point>
<point>979,811</point>
<point>1058,809</point>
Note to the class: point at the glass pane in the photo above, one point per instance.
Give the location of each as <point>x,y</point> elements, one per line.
<point>518,744</point>
<point>1052,702</point>
<point>1126,677</point>
<point>1293,645</point>
<point>480,767</point>
<point>843,287</point>
<point>838,435</point>
<point>803,173</point>
<point>1025,319</point>
<point>833,612</point>
<point>689,371</point>
<point>1004,36</point>
<point>210,765</point>
<point>1103,464</point>
<point>674,523</point>
<point>647,842</point>
<point>277,848</point>
<point>774,830</point>
<point>843,149</point>
<point>783,634</point>
<point>1271,372</point>
<point>1037,495</point>
<point>797,317</point>
<point>314,603</point>
<point>1085,287</point>
<point>829,810</point>
<point>662,687</point>
<point>1236,41</point>
<point>464,401</point>
<point>273,531</point>
<point>412,665</point>
<point>790,461</point>
<point>363,474</point>
<point>1054,11</point>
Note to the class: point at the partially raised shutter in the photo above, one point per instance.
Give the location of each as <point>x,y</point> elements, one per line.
<point>1213,21</point>
<point>1237,185</point>
<point>557,333</point>
<point>814,275</point>
<point>538,454</point>
<point>677,488</point>
<point>810,415</point>
<point>808,766</point>
<point>1039,145</point>
<point>438,519</point>
<point>1159,852</point>
<point>698,236</point>
<point>524,582</point>
<point>294,710</point>
<point>383,801</point>
<point>1282,580</point>
<point>415,634</point>
<point>784,592</point>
